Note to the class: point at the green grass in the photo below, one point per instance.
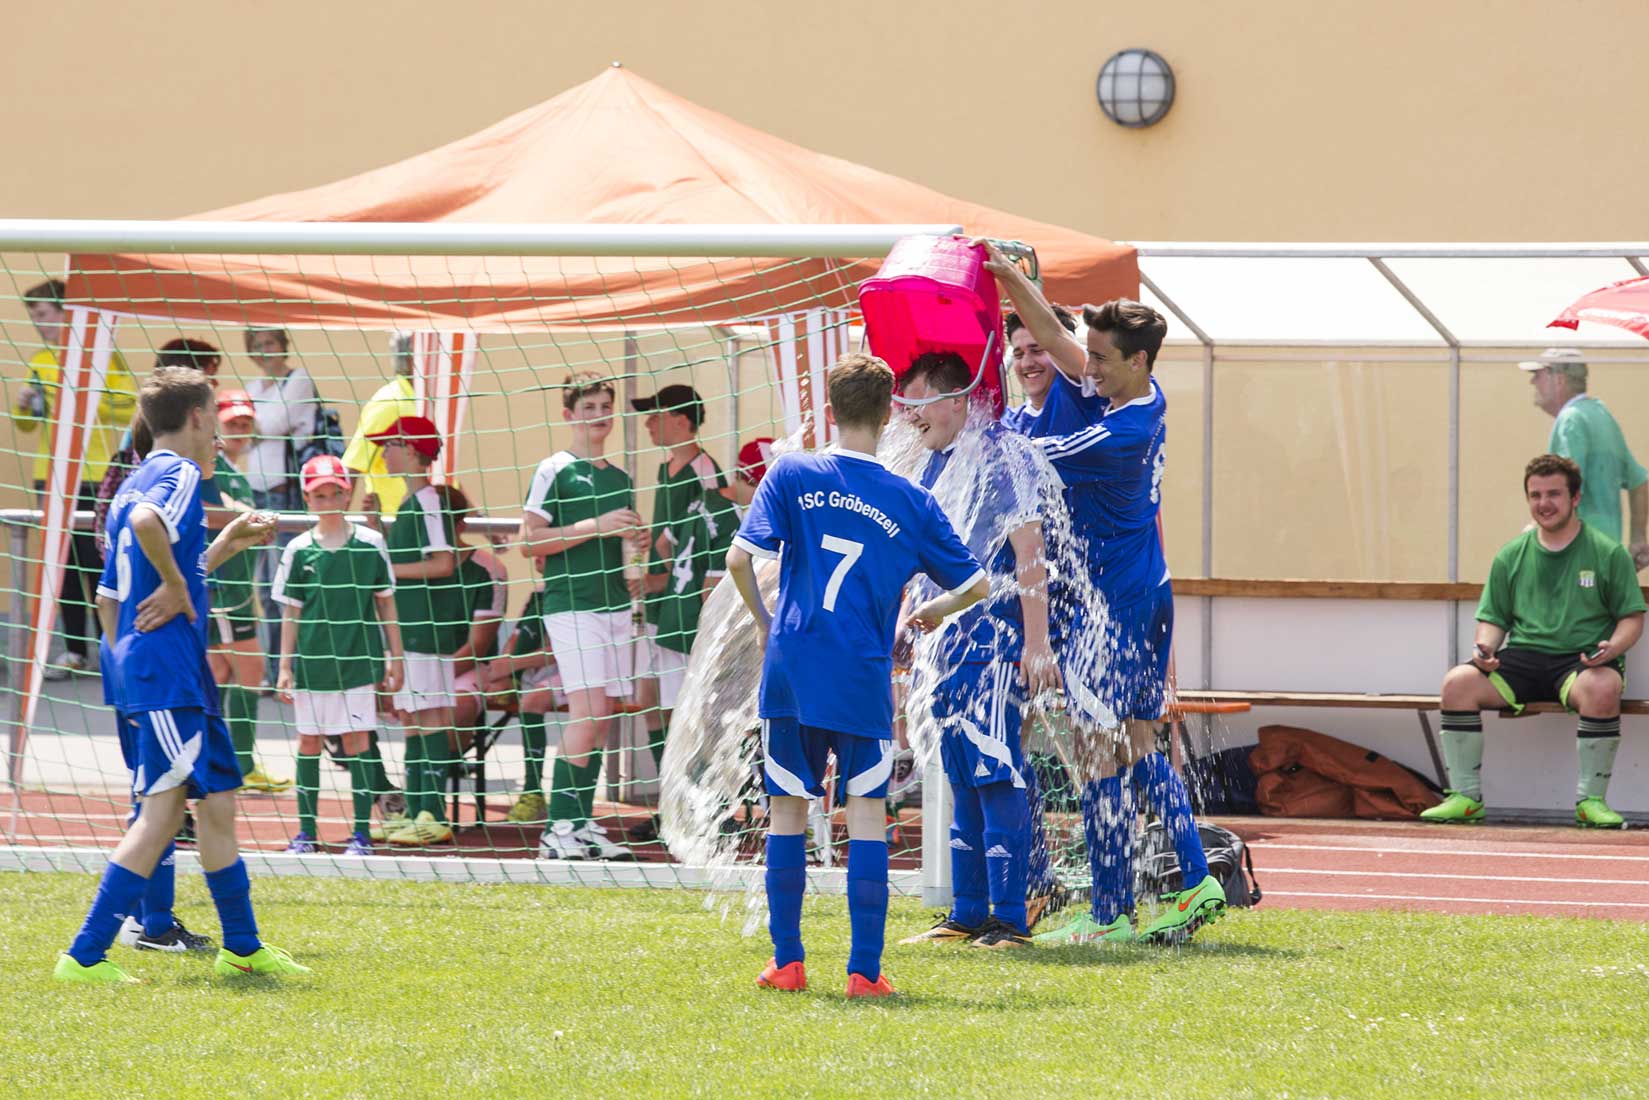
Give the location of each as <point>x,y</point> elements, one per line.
<point>502,991</point>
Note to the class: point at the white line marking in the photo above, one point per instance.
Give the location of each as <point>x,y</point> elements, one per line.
<point>1464,878</point>
<point>1266,846</point>
<point>1467,901</point>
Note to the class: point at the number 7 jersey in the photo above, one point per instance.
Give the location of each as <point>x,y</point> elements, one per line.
<point>849,535</point>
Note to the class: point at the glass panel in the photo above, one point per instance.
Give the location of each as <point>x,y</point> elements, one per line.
<point>1511,301</point>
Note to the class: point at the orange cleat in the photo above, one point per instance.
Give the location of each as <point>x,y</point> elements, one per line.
<point>790,978</point>
<point>860,986</point>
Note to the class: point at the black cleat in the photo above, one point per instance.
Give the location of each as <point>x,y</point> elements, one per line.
<point>945,930</point>
<point>176,940</point>
<point>1001,934</point>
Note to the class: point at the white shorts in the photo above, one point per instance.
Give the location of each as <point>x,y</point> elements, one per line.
<point>467,684</point>
<point>428,683</point>
<point>666,666</point>
<point>330,713</point>
<point>592,650</point>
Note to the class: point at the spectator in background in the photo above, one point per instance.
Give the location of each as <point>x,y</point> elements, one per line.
<point>393,400</point>
<point>285,403</point>
<point>36,401</point>
<point>1584,430</point>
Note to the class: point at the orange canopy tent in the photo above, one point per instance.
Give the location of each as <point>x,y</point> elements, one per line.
<point>616,150</point>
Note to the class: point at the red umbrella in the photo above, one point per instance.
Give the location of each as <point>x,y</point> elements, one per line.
<point>1624,304</point>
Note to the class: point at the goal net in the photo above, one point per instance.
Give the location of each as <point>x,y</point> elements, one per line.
<point>317,336</point>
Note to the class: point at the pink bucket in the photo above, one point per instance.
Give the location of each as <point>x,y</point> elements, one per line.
<point>934,294</point>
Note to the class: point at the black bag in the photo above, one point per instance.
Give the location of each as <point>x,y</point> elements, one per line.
<point>1222,782</point>
<point>326,438</point>
<point>1156,868</point>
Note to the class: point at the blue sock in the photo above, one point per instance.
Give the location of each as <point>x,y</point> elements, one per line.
<point>866,906</point>
<point>1039,864</point>
<point>232,894</point>
<point>786,882</point>
<point>1004,809</point>
<point>117,897</point>
<point>969,883</point>
<point>160,894</point>
<point>1164,792</point>
<point>1106,814</point>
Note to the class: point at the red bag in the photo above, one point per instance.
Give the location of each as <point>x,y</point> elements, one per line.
<point>1302,773</point>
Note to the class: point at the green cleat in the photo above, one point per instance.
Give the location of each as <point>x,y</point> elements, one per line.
<point>1085,929</point>
<point>265,960</point>
<point>1187,911</point>
<point>1456,809</point>
<point>102,972</point>
<point>1594,813</point>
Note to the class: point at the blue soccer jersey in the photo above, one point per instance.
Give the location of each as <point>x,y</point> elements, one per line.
<point>852,535</point>
<point>993,629</point>
<point>1112,472</point>
<point>164,668</point>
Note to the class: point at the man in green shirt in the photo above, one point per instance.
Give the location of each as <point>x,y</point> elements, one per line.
<point>1584,430</point>
<point>580,522</point>
<point>1560,609</point>
<point>692,520</point>
<point>434,621</point>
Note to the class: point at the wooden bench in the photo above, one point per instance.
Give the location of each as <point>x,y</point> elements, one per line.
<point>1419,704</point>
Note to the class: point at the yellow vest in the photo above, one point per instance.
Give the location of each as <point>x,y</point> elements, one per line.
<point>393,400</point>
<point>114,412</point>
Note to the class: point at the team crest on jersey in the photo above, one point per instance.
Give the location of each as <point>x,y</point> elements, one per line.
<point>1588,579</point>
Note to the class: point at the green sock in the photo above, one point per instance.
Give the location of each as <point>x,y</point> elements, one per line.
<point>1463,751</point>
<point>588,776</point>
<point>533,739</point>
<point>360,793</point>
<point>309,791</point>
<point>415,774</point>
<point>1597,757</point>
<point>240,714</point>
<point>655,745</point>
<point>437,764</point>
<point>377,779</point>
<point>564,804</point>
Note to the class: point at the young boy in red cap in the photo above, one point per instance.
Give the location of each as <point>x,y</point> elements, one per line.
<point>423,553</point>
<point>338,592</point>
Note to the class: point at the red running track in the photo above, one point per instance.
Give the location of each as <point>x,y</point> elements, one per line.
<point>1300,864</point>
<point>1538,870</point>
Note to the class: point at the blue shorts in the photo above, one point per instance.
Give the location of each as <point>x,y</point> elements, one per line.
<point>180,747</point>
<point>1125,674</point>
<point>794,758</point>
<point>978,708</point>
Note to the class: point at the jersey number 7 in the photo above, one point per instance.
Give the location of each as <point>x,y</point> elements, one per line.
<point>850,552</point>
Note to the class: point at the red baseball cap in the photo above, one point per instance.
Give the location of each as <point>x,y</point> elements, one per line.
<point>235,403</point>
<point>753,459</point>
<point>419,432</point>
<point>325,470</point>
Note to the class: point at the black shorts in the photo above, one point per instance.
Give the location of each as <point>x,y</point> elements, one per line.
<point>1530,676</point>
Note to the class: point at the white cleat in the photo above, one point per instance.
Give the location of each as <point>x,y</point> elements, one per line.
<point>561,841</point>
<point>600,845</point>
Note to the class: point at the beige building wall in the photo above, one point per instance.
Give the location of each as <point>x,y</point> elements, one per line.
<point>1296,120</point>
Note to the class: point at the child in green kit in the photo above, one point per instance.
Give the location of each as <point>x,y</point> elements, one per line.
<point>338,591</point>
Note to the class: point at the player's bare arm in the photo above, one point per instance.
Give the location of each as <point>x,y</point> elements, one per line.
<point>742,568</point>
<point>540,540</point>
<point>108,616</point>
<point>442,563</point>
<point>172,597</point>
<point>931,613</point>
<point>244,530</point>
<point>1038,669</point>
<point>289,647</point>
<point>1033,309</point>
<point>1486,644</point>
<point>1613,648</point>
<point>394,666</point>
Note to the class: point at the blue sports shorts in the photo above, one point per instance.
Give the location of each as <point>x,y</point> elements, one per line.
<point>183,746</point>
<point>794,758</point>
<point>978,708</point>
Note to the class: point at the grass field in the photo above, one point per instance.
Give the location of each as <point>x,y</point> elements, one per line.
<point>454,991</point>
